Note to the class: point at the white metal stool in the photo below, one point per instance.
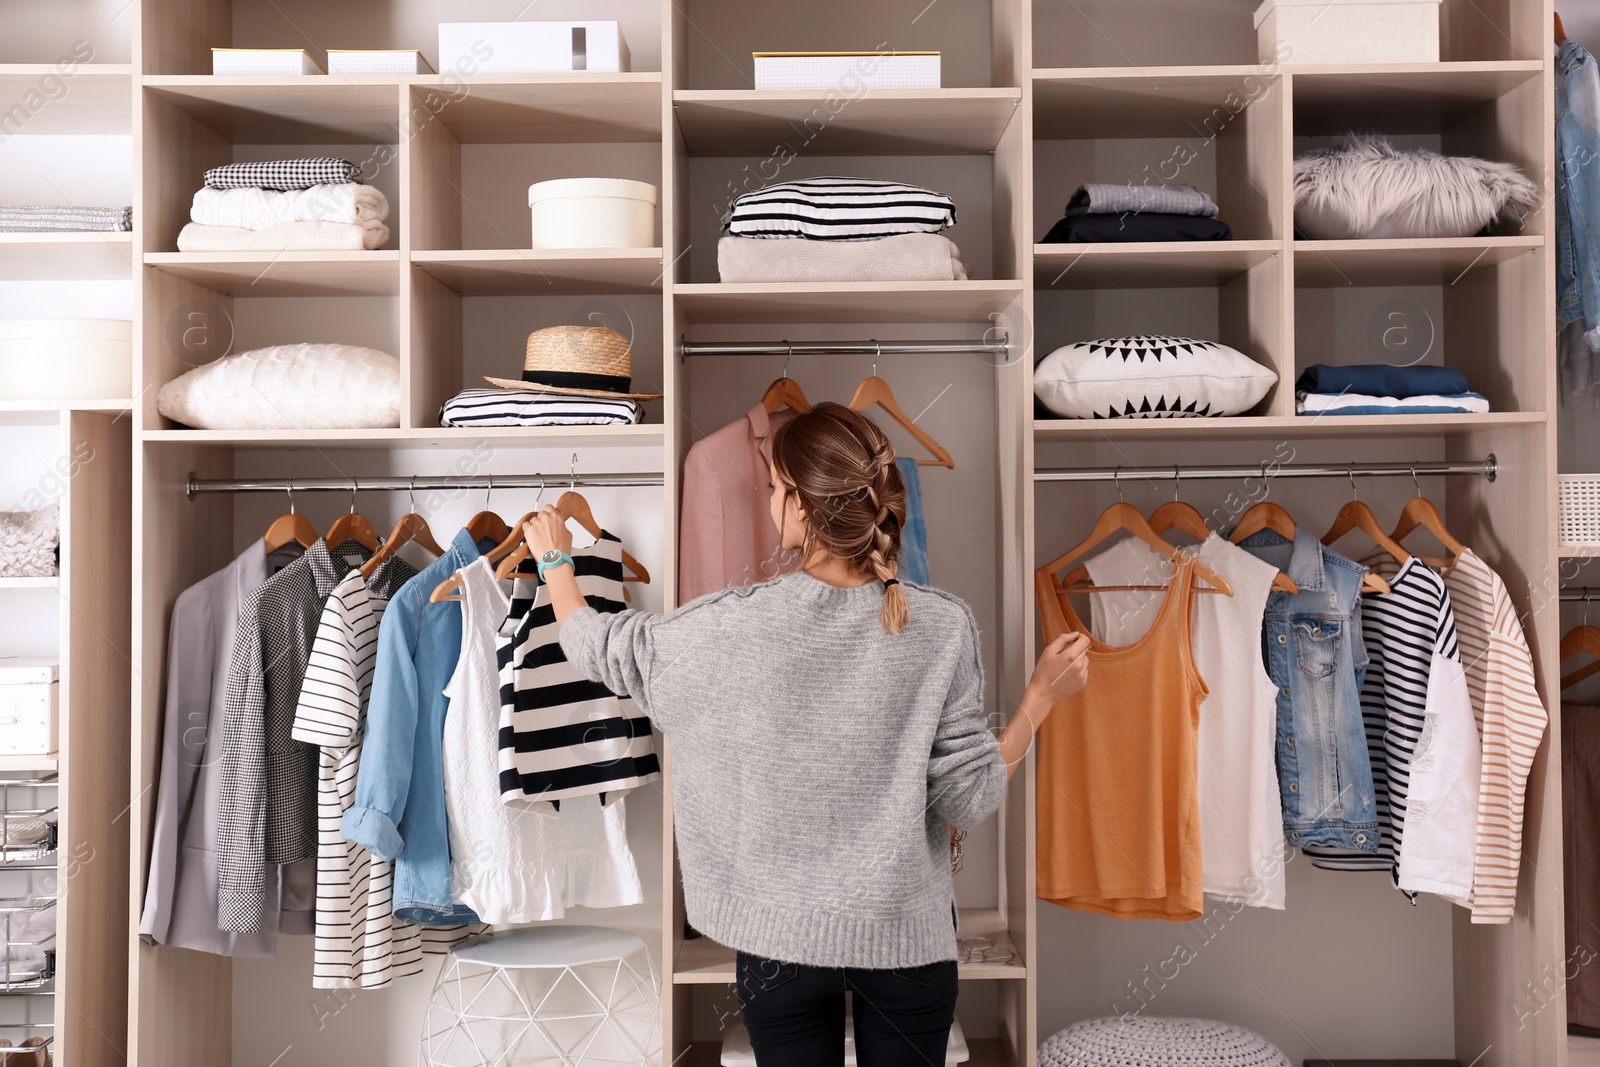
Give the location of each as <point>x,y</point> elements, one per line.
<point>552,995</point>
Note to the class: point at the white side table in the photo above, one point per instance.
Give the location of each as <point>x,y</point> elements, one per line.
<point>546,996</point>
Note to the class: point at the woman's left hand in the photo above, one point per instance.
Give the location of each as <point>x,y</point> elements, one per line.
<point>547,530</point>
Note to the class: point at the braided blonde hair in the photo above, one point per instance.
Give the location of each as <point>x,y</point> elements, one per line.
<point>842,467</point>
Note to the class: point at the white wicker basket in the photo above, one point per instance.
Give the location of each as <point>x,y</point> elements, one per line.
<point>1580,509</point>
<point>1352,31</point>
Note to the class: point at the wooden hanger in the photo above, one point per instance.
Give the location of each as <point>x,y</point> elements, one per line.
<point>1575,642</point>
<point>352,526</point>
<point>486,525</point>
<point>785,392</point>
<point>1124,516</point>
<point>573,506</point>
<point>1175,514</point>
<point>1421,512</point>
<point>1267,515</point>
<point>411,527</point>
<point>1561,31</point>
<point>875,390</point>
<point>292,528</point>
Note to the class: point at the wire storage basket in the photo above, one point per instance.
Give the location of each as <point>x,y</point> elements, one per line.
<point>28,954</point>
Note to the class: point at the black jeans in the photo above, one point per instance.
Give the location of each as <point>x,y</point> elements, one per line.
<point>795,1013</point>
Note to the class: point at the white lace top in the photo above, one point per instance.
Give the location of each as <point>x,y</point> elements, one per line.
<point>512,865</point>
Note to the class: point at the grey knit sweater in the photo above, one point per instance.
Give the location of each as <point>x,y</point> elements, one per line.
<point>817,761</point>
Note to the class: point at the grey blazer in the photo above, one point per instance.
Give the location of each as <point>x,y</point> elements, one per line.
<point>180,902</point>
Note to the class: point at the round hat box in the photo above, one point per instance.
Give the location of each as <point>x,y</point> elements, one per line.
<point>593,213</point>
<point>66,359</point>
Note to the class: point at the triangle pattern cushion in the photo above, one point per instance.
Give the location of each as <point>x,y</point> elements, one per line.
<point>1150,377</point>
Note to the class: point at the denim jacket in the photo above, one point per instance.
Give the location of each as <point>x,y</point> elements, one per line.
<point>1311,643</point>
<point>399,809</point>
<point>1578,190</point>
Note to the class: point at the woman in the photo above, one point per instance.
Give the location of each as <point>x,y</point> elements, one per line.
<point>827,730</point>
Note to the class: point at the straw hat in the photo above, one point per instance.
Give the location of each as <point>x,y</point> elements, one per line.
<point>576,361</point>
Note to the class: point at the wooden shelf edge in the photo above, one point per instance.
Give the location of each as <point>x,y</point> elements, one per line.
<point>724,96</point>
<point>1048,430</point>
<point>30,583</point>
<point>51,762</point>
<point>624,436</point>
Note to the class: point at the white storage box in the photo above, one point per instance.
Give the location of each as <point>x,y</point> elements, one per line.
<point>846,71</point>
<point>532,47</point>
<point>593,213</point>
<point>66,359</point>
<point>1349,31</point>
<point>29,697</point>
<point>263,61</point>
<point>1579,509</point>
<point>377,61</point>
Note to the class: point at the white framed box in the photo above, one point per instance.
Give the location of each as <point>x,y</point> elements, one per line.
<point>1350,31</point>
<point>66,359</point>
<point>262,61</point>
<point>377,61</point>
<point>29,705</point>
<point>532,47</point>
<point>592,213</point>
<point>847,70</point>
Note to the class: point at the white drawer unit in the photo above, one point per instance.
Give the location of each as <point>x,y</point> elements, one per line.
<point>29,698</point>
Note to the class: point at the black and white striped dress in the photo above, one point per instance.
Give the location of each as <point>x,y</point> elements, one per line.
<point>533,407</point>
<point>562,735</point>
<point>839,209</point>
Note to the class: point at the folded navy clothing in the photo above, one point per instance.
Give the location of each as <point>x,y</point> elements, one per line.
<point>1380,379</point>
<point>1143,226</point>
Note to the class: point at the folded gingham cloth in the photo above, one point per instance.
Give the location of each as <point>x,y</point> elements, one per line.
<point>283,174</point>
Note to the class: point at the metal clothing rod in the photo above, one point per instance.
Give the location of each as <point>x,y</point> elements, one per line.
<point>1584,593</point>
<point>1487,468</point>
<point>1001,348</point>
<point>197,486</point>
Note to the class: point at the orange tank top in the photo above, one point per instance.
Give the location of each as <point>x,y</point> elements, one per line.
<point>1119,818</point>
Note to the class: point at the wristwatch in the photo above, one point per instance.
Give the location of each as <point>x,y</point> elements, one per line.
<point>553,558</point>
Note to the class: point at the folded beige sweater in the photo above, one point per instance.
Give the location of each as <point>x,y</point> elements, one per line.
<point>909,257</point>
<point>284,237</point>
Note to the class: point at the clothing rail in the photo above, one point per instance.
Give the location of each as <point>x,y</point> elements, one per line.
<point>1583,593</point>
<point>1486,468</point>
<point>1001,348</point>
<point>489,482</point>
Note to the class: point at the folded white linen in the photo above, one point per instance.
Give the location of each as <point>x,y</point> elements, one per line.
<point>906,257</point>
<point>256,209</point>
<point>1358,404</point>
<point>284,237</point>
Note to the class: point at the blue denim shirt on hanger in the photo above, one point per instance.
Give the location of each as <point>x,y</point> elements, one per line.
<point>1578,189</point>
<point>1311,643</point>
<point>914,535</point>
<point>399,809</point>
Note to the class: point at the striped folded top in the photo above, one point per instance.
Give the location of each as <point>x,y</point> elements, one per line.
<point>532,407</point>
<point>839,209</point>
<point>283,174</point>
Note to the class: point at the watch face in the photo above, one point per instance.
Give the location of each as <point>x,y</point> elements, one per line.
<point>551,556</point>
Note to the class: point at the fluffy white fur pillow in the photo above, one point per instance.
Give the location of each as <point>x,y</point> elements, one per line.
<point>302,387</point>
<point>1367,188</point>
<point>1150,377</point>
<point>28,542</point>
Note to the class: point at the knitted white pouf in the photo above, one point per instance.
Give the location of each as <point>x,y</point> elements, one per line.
<point>1137,1041</point>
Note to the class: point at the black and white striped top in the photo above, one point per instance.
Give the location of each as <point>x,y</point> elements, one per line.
<point>1403,630</point>
<point>531,407</point>
<point>562,735</point>
<point>839,209</point>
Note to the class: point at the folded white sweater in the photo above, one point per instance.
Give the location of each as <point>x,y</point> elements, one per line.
<point>284,237</point>
<point>907,257</point>
<point>256,209</point>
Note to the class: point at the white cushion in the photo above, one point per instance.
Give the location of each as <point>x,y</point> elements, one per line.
<point>1149,378</point>
<point>303,387</point>
<point>1152,1041</point>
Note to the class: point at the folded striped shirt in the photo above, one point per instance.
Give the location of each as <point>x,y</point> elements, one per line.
<point>529,407</point>
<point>283,174</point>
<point>839,209</point>
<point>29,218</point>
<point>1360,404</point>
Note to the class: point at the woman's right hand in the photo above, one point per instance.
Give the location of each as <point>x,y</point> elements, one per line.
<point>1062,670</point>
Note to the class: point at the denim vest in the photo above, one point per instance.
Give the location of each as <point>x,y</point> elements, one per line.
<point>1311,643</point>
<point>1577,190</point>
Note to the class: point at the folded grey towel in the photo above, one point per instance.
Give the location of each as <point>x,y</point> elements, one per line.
<point>284,174</point>
<point>1106,198</point>
<point>50,219</point>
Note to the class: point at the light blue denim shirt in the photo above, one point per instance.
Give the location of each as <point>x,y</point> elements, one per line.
<point>399,809</point>
<point>914,535</point>
<point>1311,643</point>
<point>1578,190</point>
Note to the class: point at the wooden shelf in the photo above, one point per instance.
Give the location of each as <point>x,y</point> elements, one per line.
<point>885,122</point>
<point>98,99</point>
<point>1147,265</point>
<point>641,436</point>
<point>12,764</point>
<point>375,273</point>
<point>949,302</point>
<point>66,256</point>
<point>1433,261</point>
<point>553,108</point>
<point>1248,427</point>
<point>1400,98</point>
<point>29,583</point>
<point>703,961</point>
<point>1093,102</point>
<point>1578,551</point>
<point>49,411</point>
<point>521,272</point>
<point>284,109</point>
